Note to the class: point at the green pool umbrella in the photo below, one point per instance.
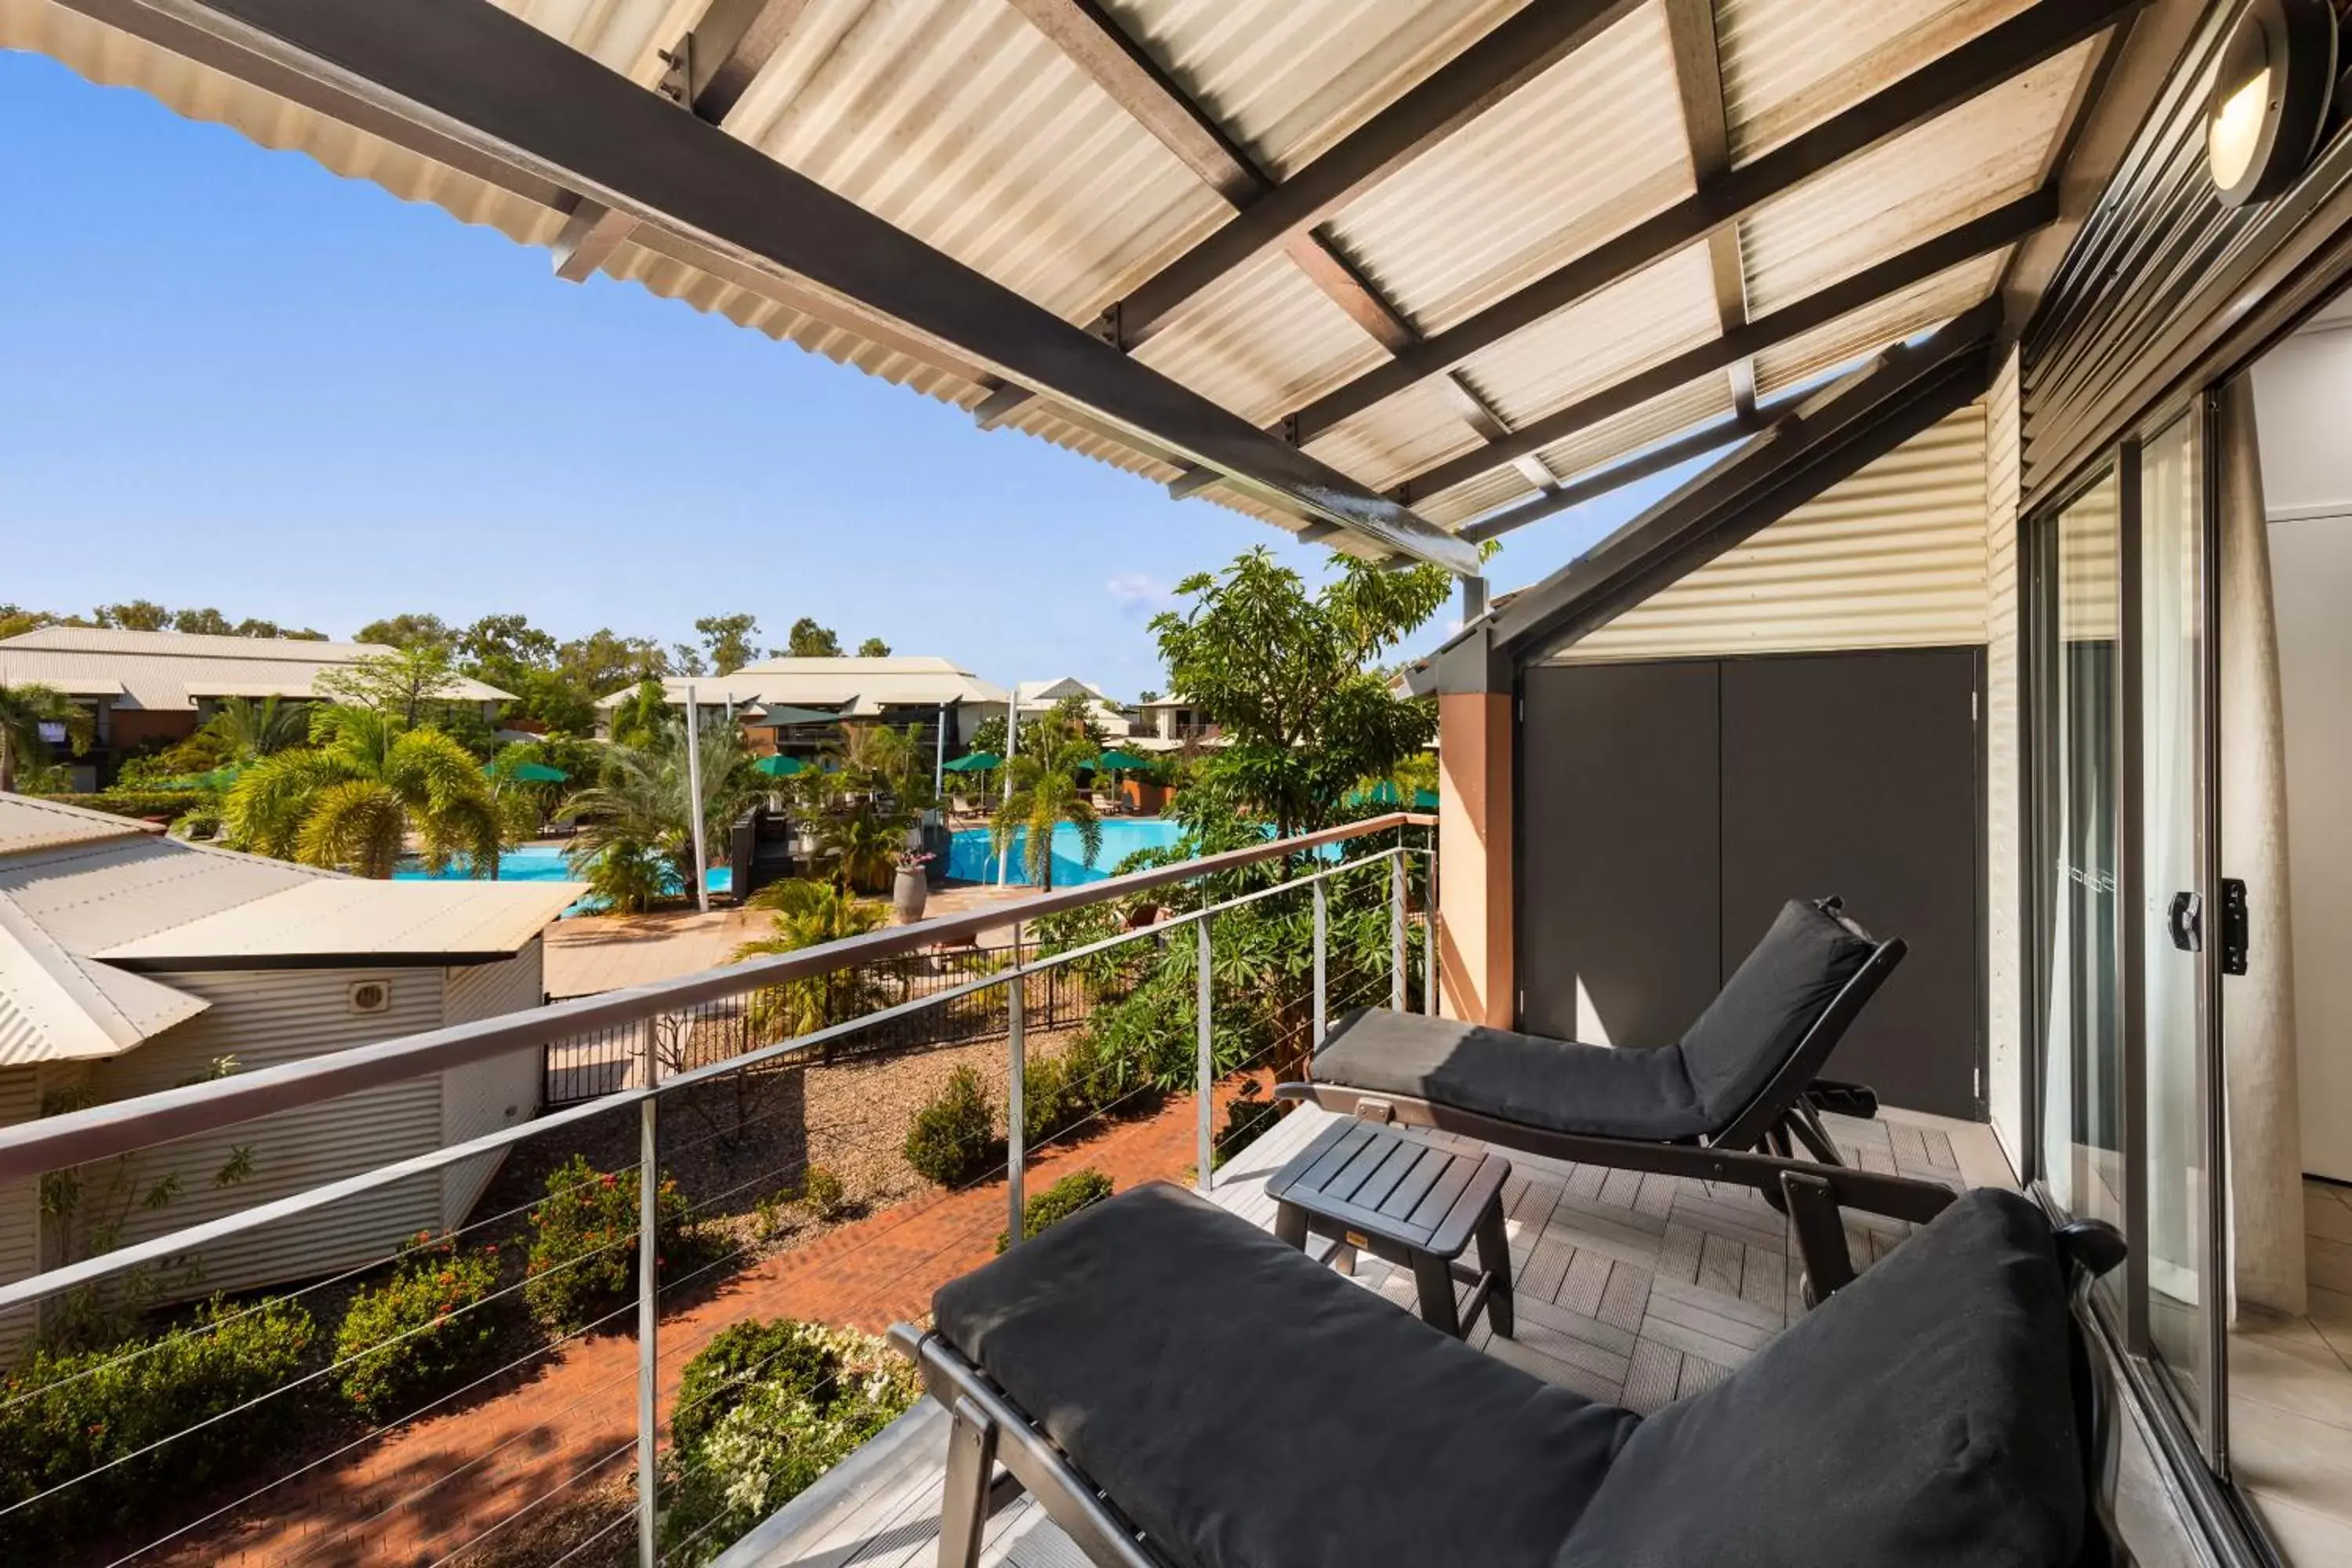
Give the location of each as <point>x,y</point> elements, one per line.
<point>1121,761</point>
<point>975,762</point>
<point>779,766</point>
<point>540,772</point>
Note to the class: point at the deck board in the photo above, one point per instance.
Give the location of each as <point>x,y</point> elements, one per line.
<point>1637,1290</point>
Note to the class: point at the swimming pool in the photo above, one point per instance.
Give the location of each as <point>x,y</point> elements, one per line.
<point>971,859</point>
<point>534,863</point>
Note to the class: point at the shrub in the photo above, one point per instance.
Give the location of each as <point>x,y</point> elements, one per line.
<point>1052,1097</point>
<point>627,878</point>
<point>954,1138</point>
<point>824,1195</point>
<point>162,802</point>
<point>583,1247</point>
<point>65,1416</point>
<point>1246,1116</point>
<point>1079,1189</point>
<point>417,1334</point>
<point>763,1411</point>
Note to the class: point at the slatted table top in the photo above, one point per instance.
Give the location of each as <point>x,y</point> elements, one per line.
<point>1395,1184</point>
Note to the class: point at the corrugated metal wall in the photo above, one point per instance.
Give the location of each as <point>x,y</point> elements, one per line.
<point>1893,557</point>
<point>20,1213</point>
<point>492,1094</point>
<point>2004,762</point>
<point>262,1017</point>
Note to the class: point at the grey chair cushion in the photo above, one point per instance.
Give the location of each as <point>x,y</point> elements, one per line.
<point>1557,1085</point>
<point>1923,1415</point>
<point>1250,1409</point>
<point>1763,1011</point>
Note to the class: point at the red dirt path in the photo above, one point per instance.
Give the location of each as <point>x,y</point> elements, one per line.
<point>435,1486</point>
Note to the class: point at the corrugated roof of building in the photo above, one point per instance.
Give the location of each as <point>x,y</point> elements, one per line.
<point>353,921</point>
<point>170,670</point>
<point>965,125</point>
<point>856,685</point>
<point>27,824</point>
<point>56,1007</point>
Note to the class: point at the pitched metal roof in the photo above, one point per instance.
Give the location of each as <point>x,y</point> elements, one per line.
<point>351,921</point>
<point>27,824</point>
<point>860,686</point>
<point>1088,157</point>
<point>173,670</point>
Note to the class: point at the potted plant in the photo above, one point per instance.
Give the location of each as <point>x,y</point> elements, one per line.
<point>913,888</point>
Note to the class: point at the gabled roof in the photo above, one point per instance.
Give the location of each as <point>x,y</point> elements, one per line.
<point>56,1007</point>
<point>1367,269</point>
<point>175,670</point>
<point>859,687</point>
<point>352,922</point>
<point>27,824</point>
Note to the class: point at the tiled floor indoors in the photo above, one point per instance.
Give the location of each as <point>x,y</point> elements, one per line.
<point>2291,1397</point>
<point>1632,1288</point>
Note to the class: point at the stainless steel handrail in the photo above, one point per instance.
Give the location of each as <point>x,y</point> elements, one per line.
<point>30,1149</point>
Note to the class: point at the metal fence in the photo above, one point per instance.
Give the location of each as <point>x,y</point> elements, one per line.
<point>593,1470</point>
<point>605,1061</point>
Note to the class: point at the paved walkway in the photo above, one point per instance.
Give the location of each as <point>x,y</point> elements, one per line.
<point>435,1486</point>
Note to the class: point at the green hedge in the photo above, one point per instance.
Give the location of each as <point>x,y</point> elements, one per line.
<point>63,1417</point>
<point>1078,1190</point>
<point>954,1138</point>
<point>165,803</point>
<point>583,1248</point>
<point>422,1331</point>
<point>765,1409</point>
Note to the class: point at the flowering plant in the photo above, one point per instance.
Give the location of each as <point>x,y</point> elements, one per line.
<point>419,1332</point>
<point>913,859</point>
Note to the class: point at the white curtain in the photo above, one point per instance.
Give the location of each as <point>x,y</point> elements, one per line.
<point>2257,1008</point>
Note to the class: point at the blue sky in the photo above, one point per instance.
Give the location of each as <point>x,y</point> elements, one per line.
<point>235,379</point>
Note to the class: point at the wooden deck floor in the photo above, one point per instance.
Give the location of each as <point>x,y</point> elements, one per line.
<point>1633,1289</point>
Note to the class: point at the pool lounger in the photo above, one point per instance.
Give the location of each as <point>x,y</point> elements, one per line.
<point>1179,1389</point>
<point>1733,1100</point>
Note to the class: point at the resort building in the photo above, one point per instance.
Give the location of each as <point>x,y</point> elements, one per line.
<point>1037,698</point>
<point>1997,588</point>
<point>797,706</point>
<point>132,963</point>
<point>1171,722</point>
<point>146,690</point>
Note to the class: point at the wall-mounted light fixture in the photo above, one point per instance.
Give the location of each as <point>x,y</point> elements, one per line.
<point>2270,98</point>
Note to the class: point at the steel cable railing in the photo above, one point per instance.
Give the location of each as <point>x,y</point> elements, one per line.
<point>1246,1022</point>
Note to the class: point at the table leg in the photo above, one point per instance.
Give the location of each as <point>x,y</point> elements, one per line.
<point>1435,1280</point>
<point>1290,1225</point>
<point>1495,1259</point>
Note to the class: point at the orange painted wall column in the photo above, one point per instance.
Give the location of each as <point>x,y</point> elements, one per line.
<point>1476,857</point>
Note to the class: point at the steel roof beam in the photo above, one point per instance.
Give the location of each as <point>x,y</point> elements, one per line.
<point>2002,52</point>
<point>2003,225</point>
<point>1698,82</point>
<point>1829,435</point>
<point>1507,57</point>
<point>471,72</point>
<point>1655,461</point>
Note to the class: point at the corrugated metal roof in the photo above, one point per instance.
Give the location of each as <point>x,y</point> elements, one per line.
<point>962,122</point>
<point>358,920</point>
<point>55,1007</point>
<point>170,670</point>
<point>92,895</point>
<point>27,824</point>
<point>915,680</point>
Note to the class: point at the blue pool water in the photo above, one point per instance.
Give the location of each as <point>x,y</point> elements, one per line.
<point>971,859</point>
<point>534,863</point>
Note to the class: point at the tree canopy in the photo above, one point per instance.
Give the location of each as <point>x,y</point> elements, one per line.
<point>1286,672</point>
<point>809,640</point>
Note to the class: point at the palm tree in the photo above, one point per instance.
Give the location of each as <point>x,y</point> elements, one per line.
<point>640,808</point>
<point>353,800</point>
<point>23,710</point>
<point>809,914</point>
<point>863,843</point>
<point>1043,794</point>
<point>249,730</point>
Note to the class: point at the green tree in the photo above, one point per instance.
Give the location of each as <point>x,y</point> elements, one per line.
<point>728,641</point>
<point>874,648</point>
<point>23,710</point>
<point>410,631</point>
<point>809,640</point>
<point>605,661</point>
<point>504,650</point>
<point>243,729</point>
<point>252,627</point>
<point>352,799</point>
<point>1044,793</point>
<point>640,809</point>
<point>1285,672</point>
<point>203,623</point>
<point>16,620</point>
<point>403,684</point>
<point>137,616</point>
<point>805,914</point>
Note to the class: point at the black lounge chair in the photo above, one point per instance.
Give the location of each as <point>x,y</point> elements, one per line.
<point>1733,1100</point>
<point>1179,1389</point>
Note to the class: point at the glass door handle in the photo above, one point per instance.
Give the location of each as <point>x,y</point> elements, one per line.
<point>2185,920</point>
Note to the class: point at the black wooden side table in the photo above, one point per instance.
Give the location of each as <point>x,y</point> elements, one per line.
<point>1411,1200</point>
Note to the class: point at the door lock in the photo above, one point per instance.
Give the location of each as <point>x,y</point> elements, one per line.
<point>2185,920</point>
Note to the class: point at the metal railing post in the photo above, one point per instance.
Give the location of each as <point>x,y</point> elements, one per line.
<point>1396,929</point>
<point>1015,1131</point>
<point>1322,970</point>
<point>648,1302</point>
<point>1429,935</point>
<point>1203,1007</point>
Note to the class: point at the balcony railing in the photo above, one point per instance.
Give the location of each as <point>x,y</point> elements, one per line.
<point>1224,971</point>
